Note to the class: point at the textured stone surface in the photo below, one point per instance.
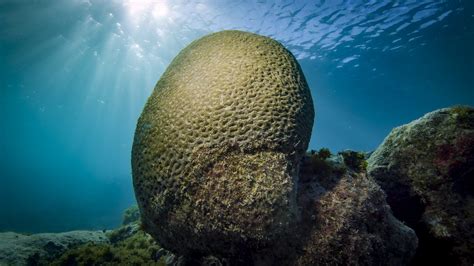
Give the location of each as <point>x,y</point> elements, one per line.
<point>426,168</point>
<point>230,100</point>
<point>346,220</point>
<point>19,249</point>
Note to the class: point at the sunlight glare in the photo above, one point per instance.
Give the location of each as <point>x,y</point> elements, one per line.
<point>139,8</point>
<point>160,10</point>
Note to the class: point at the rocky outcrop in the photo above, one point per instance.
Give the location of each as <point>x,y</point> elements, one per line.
<point>426,168</point>
<point>345,218</point>
<point>126,245</point>
<point>220,172</point>
<point>19,249</point>
<point>348,220</point>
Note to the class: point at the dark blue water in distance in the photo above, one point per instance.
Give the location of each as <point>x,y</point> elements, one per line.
<point>75,75</point>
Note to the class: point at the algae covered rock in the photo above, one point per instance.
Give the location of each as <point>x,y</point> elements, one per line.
<point>131,215</point>
<point>128,245</point>
<point>39,249</point>
<point>345,218</point>
<point>216,149</point>
<point>426,168</point>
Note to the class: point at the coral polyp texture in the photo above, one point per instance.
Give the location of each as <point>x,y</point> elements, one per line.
<point>217,147</point>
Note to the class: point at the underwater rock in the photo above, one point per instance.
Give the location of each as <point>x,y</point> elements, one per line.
<point>128,245</point>
<point>426,168</point>
<point>216,149</point>
<point>19,249</point>
<point>345,220</point>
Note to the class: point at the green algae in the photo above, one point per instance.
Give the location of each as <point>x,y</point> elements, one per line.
<point>128,246</point>
<point>354,160</point>
<point>132,214</point>
<point>319,163</point>
<point>464,115</point>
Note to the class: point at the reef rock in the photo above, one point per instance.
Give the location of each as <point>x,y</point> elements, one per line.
<point>127,245</point>
<point>349,222</point>
<point>19,249</point>
<point>216,149</point>
<point>426,168</point>
<point>345,218</point>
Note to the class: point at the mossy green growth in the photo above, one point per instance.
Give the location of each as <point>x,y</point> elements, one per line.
<point>324,153</point>
<point>463,114</point>
<point>132,214</point>
<point>354,160</point>
<point>319,164</point>
<point>127,248</point>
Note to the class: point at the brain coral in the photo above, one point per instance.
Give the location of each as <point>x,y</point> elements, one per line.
<point>217,147</point>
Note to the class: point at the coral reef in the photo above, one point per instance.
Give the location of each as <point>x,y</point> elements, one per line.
<point>222,177</point>
<point>220,172</point>
<point>426,168</point>
<point>217,146</point>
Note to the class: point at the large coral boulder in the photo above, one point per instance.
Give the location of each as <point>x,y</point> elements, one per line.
<point>217,146</point>
<point>426,168</point>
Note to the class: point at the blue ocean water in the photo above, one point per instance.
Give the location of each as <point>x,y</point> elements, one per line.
<point>75,75</point>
